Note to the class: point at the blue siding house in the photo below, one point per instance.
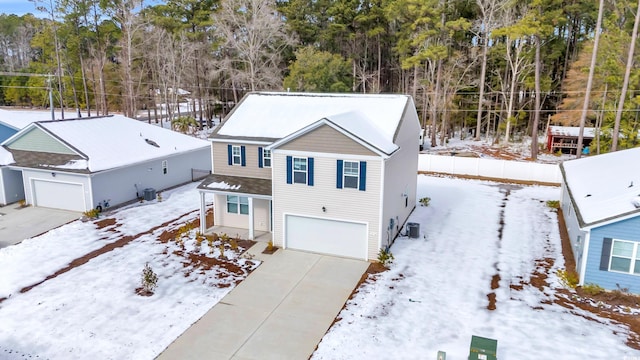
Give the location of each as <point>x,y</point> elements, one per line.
<point>6,131</point>
<point>601,207</point>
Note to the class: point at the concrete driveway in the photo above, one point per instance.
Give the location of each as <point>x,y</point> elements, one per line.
<point>281,311</point>
<point>17,224</point>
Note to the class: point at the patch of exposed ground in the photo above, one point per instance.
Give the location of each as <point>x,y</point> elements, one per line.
<point>618,306</point>
<point>495,279</point>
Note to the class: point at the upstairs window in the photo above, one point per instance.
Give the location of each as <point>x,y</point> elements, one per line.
<point>266,158</point>
<point>299,170</point>
<point>351,174</point>
<point>236,154</point>
<point>165,167</point>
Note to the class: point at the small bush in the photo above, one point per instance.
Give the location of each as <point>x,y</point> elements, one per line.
<point>221,247</point>
<point>269,246</point>
<point>234,244</point>
<point>568,279</point>
<point>554,204</point>
<point>159,197</point>
<point>425,201</point>
<point>224,237</point>
<point>92,214</point>
<point>149,279</point>
<point>22,203</point>
<point>592,289</point>
<point>385,257</point>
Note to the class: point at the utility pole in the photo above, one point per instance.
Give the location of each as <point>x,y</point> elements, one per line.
<point>53,114</point>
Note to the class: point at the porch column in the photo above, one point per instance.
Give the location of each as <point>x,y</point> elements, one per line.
<point>203,214</point>
<point>251,218</point>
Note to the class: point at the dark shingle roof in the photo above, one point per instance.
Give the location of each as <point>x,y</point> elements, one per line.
<point>237,184</point>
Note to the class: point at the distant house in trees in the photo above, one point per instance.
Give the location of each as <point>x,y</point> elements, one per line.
<point>565,138</point>
<point>601,208</point>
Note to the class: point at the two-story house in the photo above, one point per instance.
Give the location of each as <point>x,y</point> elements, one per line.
<point>326,173</point>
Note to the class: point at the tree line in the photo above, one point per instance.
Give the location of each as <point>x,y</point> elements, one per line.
<point>496,69</point>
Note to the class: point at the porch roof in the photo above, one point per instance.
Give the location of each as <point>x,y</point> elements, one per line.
<point>236,184</point>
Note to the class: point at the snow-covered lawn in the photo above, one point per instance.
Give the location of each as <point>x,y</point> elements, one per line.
<point>92,311</point>
<point>435,295</point>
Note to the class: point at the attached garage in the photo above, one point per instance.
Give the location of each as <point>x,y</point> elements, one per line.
<point>326,236</point>
<point>59,195</point>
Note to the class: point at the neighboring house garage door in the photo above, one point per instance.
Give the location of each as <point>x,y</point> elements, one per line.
<point>326,236</point>
<point>58,195</point>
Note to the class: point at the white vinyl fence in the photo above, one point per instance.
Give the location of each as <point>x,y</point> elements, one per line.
<point>492,168</point>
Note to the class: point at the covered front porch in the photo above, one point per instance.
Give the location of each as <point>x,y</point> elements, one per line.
<point>241,206</point>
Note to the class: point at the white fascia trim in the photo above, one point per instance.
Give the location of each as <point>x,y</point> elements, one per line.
<point>615,220</point>
<point>380,231</point>
<point>328,155</point>
<point>585,252</point>
<point>222,192</point>
<point>241,141</point>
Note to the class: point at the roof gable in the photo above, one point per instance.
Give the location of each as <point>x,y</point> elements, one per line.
<point>604,187</point>
<point>328,139</point>
<point>277,115</point>
<point>34,138</point>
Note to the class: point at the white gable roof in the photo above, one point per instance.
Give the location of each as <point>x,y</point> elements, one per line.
<point>19,119</point>
<point>589,132</point>
<point>277,115</point>
<point>115,141</point>
<point>604,186</point>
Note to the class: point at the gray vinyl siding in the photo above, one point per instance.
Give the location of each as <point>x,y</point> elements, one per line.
<point>342,204</point>
<point>261,220</point>
<point>38,140</point>
<point>221,164</point>
<point>629,230</point>
<point>576,235</point>
<point>11,186</point>
<point>128,183</point>
<point>401,176</point>
<point>328,140</point>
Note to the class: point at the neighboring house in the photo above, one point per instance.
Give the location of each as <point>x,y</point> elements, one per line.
<point>78,164</point>
<point>326,173</point>
<point>565,138</point>
<point>601,207</point>
<point>13,121</point>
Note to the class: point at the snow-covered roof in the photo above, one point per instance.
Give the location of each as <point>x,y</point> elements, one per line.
<point>574,131</point>
<point>604,186</point>
<point>277,115</point>
<point>19,119</point>
<point>5,157</point>
<point>114,141</point>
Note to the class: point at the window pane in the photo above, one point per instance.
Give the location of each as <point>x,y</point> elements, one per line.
<point>266,162</point>
<point>620,264</point>
<point>351,168</point>
<point>636,269</point>
<point>622,248</point>
<point>300,164</point>
<point>244,200</point>
<point>351,182</point>
<point>244,209</point>
<point>300,177</point>
<point>232,208</point>
<point>236,150</point>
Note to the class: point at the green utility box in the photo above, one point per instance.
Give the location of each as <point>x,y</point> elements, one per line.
<point>483,348</point>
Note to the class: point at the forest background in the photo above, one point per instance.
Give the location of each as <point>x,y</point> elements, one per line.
<point>501,70</point>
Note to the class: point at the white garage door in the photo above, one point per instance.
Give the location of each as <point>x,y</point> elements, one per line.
<point>58,195</point>
<point>326,236</point>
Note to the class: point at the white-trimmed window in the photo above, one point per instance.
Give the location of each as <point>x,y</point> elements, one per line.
<point>237,204</point>
<point>165,167</point>
<point>351,174</point>
<point>625,257</point>
<point>236,155</point>
<point>299,170</point>
<point>266,158</point>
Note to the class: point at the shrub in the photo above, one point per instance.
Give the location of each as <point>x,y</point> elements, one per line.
<point>385,257</point>
<point>592,289</point>
<point>234,244</point>
<point>221,247</point>
<point>269,246</point>
<point>425,201</point>
<point>149,279</point>
<point>554,204</point>
<point>159,197</point>
<point>22,203</point>
<point>568,279</point>
<point>92,214</point>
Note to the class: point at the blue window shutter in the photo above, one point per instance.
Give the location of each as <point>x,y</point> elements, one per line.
<point>259,156</point>
<point>339,174</point>
<point>243,158</point>
<point>230,154</point>
<point>310,171</point>
<point>363,176</point>
<point>289,170</point>
<point>605,254</point>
